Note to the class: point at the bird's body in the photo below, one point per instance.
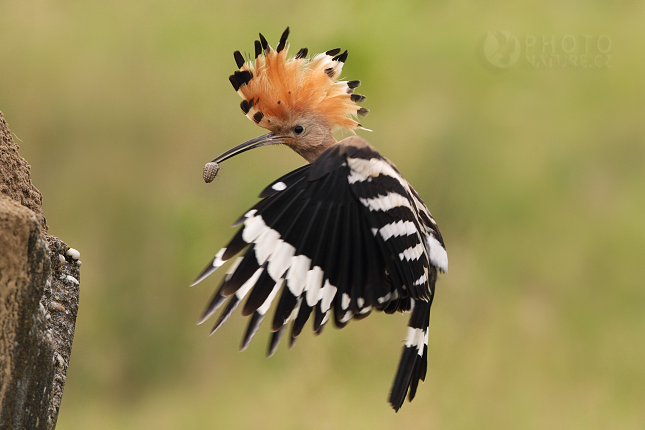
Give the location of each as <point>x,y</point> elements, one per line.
<point>337,238</point>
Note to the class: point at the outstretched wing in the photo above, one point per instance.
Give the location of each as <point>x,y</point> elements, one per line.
<point>341,236</point>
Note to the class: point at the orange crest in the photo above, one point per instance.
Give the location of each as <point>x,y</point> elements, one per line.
<point>275,88</point>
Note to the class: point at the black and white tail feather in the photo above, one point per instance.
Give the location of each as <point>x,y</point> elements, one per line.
<point>336,239</point>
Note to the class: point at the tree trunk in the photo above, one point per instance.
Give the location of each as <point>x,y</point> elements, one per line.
<point>39,287</point>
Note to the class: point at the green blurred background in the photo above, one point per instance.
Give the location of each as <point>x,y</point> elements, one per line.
<point>535,175</point>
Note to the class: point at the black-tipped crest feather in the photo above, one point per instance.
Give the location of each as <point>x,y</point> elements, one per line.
<point>283,40</point>
<point>239,59</point>
<point>265,44</point>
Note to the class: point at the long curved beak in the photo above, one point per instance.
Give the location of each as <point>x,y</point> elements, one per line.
<point>265,139</point>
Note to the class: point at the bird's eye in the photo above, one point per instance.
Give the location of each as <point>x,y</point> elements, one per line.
<point>298,129</point>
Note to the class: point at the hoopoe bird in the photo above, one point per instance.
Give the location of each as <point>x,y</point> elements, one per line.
<point>341,236</point>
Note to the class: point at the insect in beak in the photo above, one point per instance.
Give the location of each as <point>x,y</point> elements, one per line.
<point>211,168</point>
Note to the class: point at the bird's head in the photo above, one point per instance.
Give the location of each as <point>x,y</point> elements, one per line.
<point>299,99</point>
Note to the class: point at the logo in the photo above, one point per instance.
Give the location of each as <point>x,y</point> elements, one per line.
<point>501,49</point>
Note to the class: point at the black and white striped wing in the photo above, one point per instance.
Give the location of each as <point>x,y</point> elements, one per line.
<point>409,236</point>
<point>334,239</point>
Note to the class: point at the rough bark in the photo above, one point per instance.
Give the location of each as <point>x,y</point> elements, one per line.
<point>15,180</point>
<point>39,291</point>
